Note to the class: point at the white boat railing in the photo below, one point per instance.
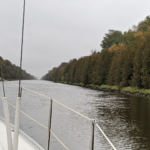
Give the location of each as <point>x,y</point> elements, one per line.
<point>93,123</point>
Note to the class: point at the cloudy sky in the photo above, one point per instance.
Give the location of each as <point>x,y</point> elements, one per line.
<point>59,30</point>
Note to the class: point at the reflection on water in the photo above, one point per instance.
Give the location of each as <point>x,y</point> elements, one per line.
<point>124,119</point>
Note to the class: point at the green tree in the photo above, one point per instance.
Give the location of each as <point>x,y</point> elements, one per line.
<point>112,37</point>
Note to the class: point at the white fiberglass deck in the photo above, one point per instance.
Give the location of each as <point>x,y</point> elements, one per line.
<point>23,145</point>
<point>25,142</point>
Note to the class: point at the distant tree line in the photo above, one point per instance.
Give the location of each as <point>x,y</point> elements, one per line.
<point>11,71</point>
<point>123,61</point>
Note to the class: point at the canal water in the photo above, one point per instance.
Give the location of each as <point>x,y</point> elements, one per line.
<point>125,119</point>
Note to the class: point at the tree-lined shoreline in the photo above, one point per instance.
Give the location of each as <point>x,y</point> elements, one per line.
<point>124,61</point>
<point>11,71</point>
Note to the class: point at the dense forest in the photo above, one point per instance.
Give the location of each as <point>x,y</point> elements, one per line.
<point>123,61</point>
<point>11,71</point>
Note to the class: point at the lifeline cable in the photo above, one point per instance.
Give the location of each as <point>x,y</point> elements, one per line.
<point>69,109</point>
<point>40,125</point>
<point>106,137</point>
<point>52,99</point>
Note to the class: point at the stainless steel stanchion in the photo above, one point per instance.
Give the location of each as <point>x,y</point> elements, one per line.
<point>49,124</point>
<point>92,136</point>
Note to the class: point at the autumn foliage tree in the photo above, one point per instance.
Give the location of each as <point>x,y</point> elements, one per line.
<point>123,61</point>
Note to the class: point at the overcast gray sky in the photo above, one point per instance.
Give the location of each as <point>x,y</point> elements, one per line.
<point>59,30</point>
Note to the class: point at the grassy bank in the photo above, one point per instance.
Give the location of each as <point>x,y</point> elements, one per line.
<point>136,90</point>
<point>129,90</point>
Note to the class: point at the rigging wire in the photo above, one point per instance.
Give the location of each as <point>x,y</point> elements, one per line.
<point>19,90</point>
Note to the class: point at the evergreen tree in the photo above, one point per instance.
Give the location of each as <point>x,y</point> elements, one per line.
<point>113,37</point>
<point>105,60</point>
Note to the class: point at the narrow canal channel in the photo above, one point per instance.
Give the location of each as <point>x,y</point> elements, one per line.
<point>125,119</point>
